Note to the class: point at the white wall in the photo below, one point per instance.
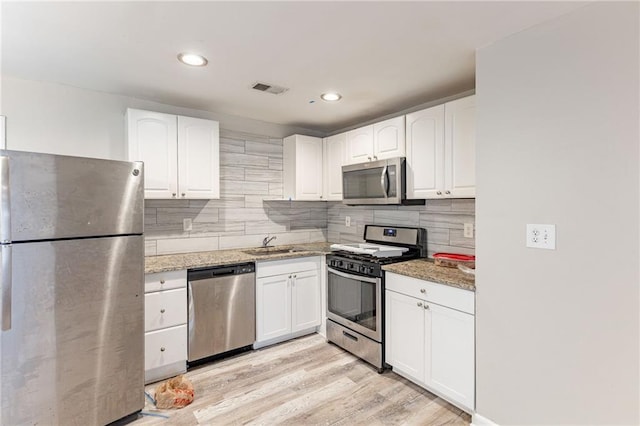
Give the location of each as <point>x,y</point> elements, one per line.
<point>59,119</point>
<point>558,331</point>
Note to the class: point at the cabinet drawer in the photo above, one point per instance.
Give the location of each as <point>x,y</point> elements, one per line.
<point>164,309</point>
<point>288,266</point>
<point>452,297</point>
<point>165,281</point>
<point>165,347</point>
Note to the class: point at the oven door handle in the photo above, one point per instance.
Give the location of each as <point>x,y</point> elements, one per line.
<point>354,277</point>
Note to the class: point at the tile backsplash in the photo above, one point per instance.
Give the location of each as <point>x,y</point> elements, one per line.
<point>250,207</point>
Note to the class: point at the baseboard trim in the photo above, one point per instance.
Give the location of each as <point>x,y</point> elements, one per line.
<point>478,420</point>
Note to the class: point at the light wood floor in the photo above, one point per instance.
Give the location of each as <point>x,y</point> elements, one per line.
<point>304,382</point>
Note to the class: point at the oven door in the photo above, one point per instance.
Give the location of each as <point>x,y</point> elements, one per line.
<point>355,302</point>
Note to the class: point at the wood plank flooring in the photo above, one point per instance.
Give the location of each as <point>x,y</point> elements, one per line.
<point>305,381</point>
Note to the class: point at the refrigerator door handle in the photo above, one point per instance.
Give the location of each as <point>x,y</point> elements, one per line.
<point>5,276</point>
<point>5,201</point>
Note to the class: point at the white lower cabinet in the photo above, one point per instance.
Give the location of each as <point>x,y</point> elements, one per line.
<point>165,318</point>
<point>430,337</point>
<point>287,299</point>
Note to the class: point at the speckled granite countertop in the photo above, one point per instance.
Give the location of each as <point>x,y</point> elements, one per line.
<point>425,269</point>
<point>176,262</point>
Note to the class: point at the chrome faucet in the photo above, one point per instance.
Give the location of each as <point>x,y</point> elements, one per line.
<point>267,240</point>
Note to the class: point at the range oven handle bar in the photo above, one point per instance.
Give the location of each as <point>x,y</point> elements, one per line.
<point>353,277</point>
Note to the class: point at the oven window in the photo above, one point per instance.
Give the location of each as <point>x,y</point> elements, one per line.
<point>353,299</point>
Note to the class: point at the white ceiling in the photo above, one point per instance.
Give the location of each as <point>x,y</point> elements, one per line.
<point>381,56</point>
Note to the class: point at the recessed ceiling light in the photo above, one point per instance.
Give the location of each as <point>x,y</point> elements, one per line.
<point>331,96</point>
<point>192,59</point>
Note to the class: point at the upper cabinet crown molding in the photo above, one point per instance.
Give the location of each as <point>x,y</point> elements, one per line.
<point>303,168</point>
<point>181,154</point>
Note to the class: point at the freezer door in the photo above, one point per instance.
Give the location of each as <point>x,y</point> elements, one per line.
<point>53,196</point>
<point>74,354</point>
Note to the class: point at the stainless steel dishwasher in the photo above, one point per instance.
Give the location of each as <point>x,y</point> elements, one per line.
<point>222,312</point>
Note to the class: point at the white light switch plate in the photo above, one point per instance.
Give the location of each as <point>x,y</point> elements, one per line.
<point>468,230</point>
<point>541,236</point>
<point>187,224</point>
<point>347,221</point>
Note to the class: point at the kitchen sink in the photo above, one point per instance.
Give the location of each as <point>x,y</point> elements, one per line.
<point>265,251</point>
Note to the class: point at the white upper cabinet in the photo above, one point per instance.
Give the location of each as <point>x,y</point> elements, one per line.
<point>181,154</point>
<point>425,153</point>
<point>460,147</point>
<point>385,139</point>
<point>334,159</point>
<point>441,151</point>
<point>302,168</point>
<point>389,138</point>
<point>199,158</point>
<point>360,145</point>
<point>152,138</point>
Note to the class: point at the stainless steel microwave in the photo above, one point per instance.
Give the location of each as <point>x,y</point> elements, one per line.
<point>376,182</point>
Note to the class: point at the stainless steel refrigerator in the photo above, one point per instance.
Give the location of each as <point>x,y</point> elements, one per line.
<point>72,280</point>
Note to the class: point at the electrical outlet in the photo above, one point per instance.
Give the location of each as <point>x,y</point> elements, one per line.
<point>347,221</point>
<point>468,230</point>
<point>187,224</point>
<point>541,236</point>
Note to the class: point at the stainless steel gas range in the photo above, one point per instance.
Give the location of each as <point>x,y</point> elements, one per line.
<point>355,287</point>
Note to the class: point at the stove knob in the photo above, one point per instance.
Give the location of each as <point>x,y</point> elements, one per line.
<point>363,269</point>
<point>372,269</point>
<point>340,263</point>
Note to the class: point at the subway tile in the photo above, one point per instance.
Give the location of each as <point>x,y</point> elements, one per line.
<point>216,229</point>
<point>445,220</point>
<point>438,205</point>
<point>265,227</point>
<point>396,217</point>
<point>149,215</point>
<point>271,150</point>
<point>276,189</point>
<point>255,201</point>
<point>255,188</point>
<point>243,160</point>
<point>263,175</point>
<point>150,247</point>
<point>242,215</point>
<point>176,215</point>
<point>467,205</point>
<point>224,202</point>
<point>187,245</point>
<point>232,173</point>
<point>166,203</point>
<point>457,239</point>
<point>231,145</point>
<point>275,163</point>
<point>230,242</point>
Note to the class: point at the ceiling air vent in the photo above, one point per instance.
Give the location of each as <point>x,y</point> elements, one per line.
<point>269,88</point>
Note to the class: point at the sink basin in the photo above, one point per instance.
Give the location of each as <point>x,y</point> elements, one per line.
<point>265,251</point>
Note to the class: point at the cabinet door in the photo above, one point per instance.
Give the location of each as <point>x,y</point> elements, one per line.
<point>152,138</point>
<point>389,138</point>
<point>425,153</point>
<point>198,158</point>
<point>360,145</point>
<point>450,346</point>
<point>273,307</point>
<point>308,168</point>
<point>305,300</point>
<point>460,148</point>
<point>334,158</point>
<point>405,334</point>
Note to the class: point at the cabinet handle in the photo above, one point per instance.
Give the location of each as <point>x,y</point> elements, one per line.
<point>447,192</point>
<point>422,290</point>
<point>439,192</point>
<point>369,158</point>
<point>375,157</point>
<point>426,306</point>
<point>419,304</point>
<point>173,195</point>
<point>162,311</point>
<point>162,349</point>
<point>161,281</point>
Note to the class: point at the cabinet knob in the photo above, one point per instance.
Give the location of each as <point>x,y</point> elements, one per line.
<point>439,192</point>
<point>162,311</point>
<point>426,306</point>
<point>295,276</point>
<point>162,349</point>
<point>375,157</point>
<point>173,195</point>
<point>422,290</point>
<point>321,196</point>
<point>161,281</point>
<point>183,194</point>
<point>369,158</point>
<point>419,304</point>
<point>290,276</point>
<point>447,192</point>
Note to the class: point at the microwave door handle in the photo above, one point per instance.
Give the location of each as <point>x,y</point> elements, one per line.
<point>384,182</point>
